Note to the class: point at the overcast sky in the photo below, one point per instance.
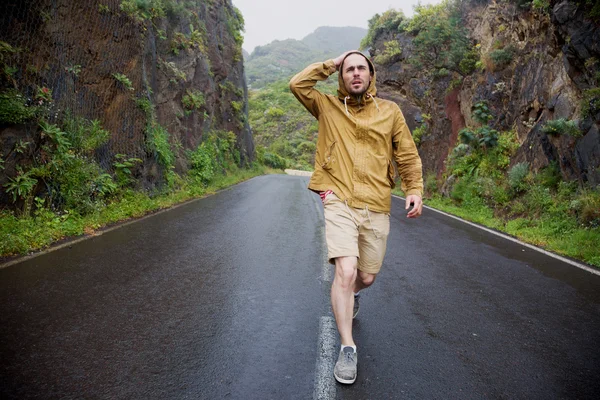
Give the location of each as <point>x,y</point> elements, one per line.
<point>268,20</point>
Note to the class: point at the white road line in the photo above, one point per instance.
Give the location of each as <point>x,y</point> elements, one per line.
<point>512,239</point>
<point>324,381</point>
<point>325,386</point>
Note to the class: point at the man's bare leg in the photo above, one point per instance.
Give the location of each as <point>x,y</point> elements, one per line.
<point>342,297</point>
<point>363,280</point>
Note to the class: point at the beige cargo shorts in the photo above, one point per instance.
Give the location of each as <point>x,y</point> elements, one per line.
<point>354,232</point>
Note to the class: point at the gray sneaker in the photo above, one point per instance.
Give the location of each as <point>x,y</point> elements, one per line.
<point>356,306</point>
<point>345,367</point>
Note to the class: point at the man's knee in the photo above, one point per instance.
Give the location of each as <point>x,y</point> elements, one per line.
<point>366,278</point>
<point>345,270</point>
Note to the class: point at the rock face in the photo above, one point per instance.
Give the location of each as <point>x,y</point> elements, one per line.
<point>555,61</point>
<point>76,48</point>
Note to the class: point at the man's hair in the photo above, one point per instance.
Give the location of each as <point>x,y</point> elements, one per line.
<point>359,53</point>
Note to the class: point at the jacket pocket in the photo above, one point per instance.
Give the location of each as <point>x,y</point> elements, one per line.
<point>391,174</point>
<point>329,158</point>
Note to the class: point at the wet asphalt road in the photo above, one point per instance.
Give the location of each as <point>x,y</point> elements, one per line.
<point>225,297</point>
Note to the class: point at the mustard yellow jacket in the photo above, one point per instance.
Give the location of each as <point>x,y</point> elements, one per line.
<point>357,142</point>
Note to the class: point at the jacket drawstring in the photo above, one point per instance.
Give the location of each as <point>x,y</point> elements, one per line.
<point>346,105</point>
<point>371,96</point>
<point>368,95</point>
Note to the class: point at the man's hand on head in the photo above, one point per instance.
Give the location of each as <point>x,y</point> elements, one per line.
<point>417,203</point>
<point>340,58</point>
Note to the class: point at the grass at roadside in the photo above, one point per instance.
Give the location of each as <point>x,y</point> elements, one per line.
<point>22,235</point>
<point>562,236</point>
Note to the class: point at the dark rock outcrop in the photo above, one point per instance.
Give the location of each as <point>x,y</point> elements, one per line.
<point>555,60</point>
<point>75,48</point>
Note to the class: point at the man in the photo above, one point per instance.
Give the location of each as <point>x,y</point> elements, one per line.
<point>359,137</point>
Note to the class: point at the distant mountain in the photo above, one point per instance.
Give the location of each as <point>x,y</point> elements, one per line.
<point>335,40</point>
<point>283,58</point>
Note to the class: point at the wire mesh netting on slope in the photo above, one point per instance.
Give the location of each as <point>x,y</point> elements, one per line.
<point>69,59</point>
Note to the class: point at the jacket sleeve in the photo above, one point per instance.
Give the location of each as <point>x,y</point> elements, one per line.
<point>303,85</point>
<point>407,157</point>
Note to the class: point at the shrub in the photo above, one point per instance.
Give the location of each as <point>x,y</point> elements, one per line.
<point>501,57</point>
<point>193,100</point>
<point>274,160</point>
<point>390,20</point>
<point>538,200</point>
<point>587,207</point>
<point>431,184</point>
<point>561,126</point>
<point>418,133</point>
<point>590,103</point>
<point>14,109</point>
<point>84,135</point>
<point>274,113</point>
<point>390,54</point>
<point>549,176</point>
<point>202,162</point>
<point>157,139</point>
<point>517,177</point>
<point>481,112</point>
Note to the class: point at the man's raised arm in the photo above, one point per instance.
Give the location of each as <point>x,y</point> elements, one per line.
<point>303,84</point>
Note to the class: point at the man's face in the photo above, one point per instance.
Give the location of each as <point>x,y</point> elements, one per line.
<point>356,74</point>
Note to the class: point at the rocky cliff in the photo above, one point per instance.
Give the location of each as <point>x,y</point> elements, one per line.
<point>535,65</point>
<point>158,75</point>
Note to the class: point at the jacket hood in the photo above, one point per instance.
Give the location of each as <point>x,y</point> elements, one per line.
<point>343,93</point>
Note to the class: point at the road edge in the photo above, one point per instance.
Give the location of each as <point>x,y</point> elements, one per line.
<point>515,240</point>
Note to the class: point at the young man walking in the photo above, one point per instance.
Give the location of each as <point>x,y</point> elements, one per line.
<point>359,137</point>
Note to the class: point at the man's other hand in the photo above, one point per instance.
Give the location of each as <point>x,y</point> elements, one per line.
<point>417,204</point>
<point>340,58</point>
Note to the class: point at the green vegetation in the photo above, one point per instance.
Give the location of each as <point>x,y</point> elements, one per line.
<point>123,80</point>
<point>280,60</point>
<point>390,54</point>
<point>564,220</point>
<point>561,126</point>
<point>193,100</point>
<point>235,27</point>
<point>157,140</point>
<point>14,108</point>
<point>27,233</point>
<point>500,58</point>
<point>440,39</point>
<point>539,208</point>
<point>590,103</point>
<point>418,133</point>
<point>390,21</point>
<point>284,132</point>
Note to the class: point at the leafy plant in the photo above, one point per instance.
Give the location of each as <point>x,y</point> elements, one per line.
<point>73,69</point>
<point>501,57</point>
<point>14,108</point>
<point>83,135</point>
<point>193,100</point>
<point>123,166</point>
<point>481,112</point>
<point>418,133</point>
<point>517,177</point>
<point>590,102</point>
<point>158,142</point>
<point>561,126</point>
<point>123,80</point>
<point>22,185</point>
<point>390,54</point>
